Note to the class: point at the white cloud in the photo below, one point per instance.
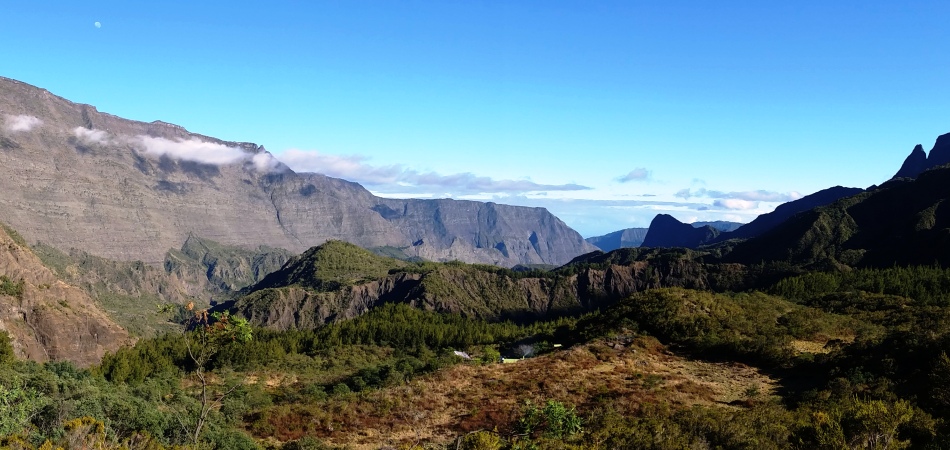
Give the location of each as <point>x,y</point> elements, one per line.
<point>399,178</point>
<point>192,149</point>
<point>752,196</point>
<point>22,123</point>
<point>638,174</point>
<point>265,162</point>
<point>736,204</point>
<point>91,136</point>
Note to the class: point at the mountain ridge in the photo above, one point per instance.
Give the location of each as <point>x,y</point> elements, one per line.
<point>129,190</point>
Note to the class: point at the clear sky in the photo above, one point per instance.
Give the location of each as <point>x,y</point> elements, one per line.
<point>606,113</point>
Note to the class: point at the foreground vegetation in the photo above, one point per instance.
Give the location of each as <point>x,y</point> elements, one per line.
<point>839,360</point>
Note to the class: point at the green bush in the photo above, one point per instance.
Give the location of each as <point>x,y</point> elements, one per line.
<point>10,287</point>
<point>554,420</point>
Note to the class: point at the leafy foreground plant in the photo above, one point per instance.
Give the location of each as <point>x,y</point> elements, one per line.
<point>206,335</point>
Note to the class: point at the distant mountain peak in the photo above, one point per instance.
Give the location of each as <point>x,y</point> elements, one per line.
<point>915,163</point>
<point>666,231</point>
<point>918,161</point>
<point>940,154</point>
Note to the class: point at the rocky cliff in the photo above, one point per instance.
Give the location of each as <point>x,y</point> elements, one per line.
<point>918,161</point>
<point>48,319</point>
<point>73,177</point>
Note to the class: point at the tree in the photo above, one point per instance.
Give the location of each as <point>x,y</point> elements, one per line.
<point>205,335</point>
<point>6,348</point>
<point>862,424</point>
<point>18,406</point>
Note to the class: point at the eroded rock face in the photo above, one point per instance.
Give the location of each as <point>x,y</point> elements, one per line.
<point>48,319</point>
<point>73,177</point>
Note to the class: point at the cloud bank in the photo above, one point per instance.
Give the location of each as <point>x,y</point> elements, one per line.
<point>638,174</point>
<point>752,196</point>
<point>739,200</point>
<point>735,204</point>
<point>193,149</point>
<point>402,179</point>
<point>21,122</point>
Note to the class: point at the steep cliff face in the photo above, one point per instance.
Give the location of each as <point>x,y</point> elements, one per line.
<point>73,177</point>
<point>48,319</point>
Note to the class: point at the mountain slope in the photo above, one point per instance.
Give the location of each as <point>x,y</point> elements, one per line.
<point>50,320</point>
<point>74,177</point>
<point>666,231</point>
<point>902,222</point>
<point>787,210</point>
<point>131,291</point>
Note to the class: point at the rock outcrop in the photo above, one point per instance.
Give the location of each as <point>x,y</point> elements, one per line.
<point>915,163</point>
<point>48,319</point>
<point>73,177</point>
<point>666,231</point>
<point>918,161</point>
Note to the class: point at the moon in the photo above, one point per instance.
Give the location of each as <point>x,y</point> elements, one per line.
<point>98,25</point>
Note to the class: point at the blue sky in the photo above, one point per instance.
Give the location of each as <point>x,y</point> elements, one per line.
<point>606,113</point>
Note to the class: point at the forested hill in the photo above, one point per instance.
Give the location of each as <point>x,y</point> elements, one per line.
<point>337,281</point>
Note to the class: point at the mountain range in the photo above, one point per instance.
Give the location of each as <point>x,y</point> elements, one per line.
<point>666,231</point>
<point>633,237</point>
<point>74,177</point>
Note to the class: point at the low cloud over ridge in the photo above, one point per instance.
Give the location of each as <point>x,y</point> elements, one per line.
<point>193,149</point>
<point>203,152</point>
<point>21,122</point>
<point>398,177</point>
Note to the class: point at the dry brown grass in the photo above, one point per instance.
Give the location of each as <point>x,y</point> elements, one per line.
<point>463,398</point>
